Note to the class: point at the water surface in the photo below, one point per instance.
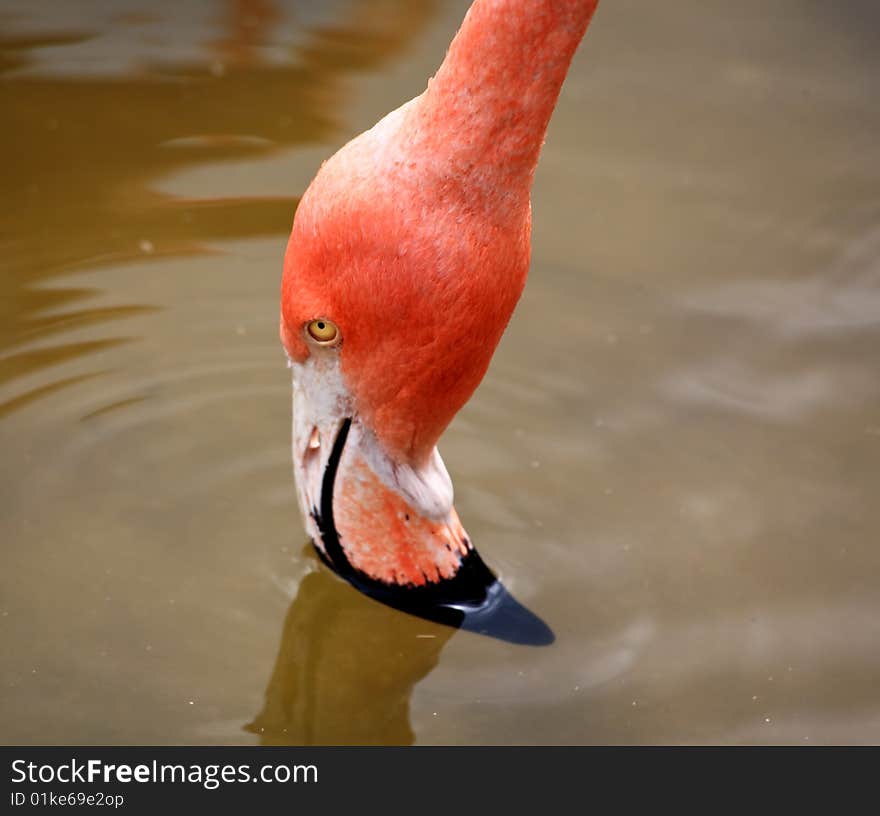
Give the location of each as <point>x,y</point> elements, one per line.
<point>674,459</point>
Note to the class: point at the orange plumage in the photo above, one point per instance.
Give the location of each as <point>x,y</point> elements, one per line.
<point>414,237</point>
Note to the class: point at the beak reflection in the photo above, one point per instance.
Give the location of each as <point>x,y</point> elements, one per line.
<point>347,666</point>
<point>345,670</point>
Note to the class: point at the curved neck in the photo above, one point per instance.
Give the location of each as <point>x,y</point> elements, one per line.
<point>488,107</point>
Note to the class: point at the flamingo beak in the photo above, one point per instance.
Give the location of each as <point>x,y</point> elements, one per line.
<point>384,526</point>
<point>367,512</point>
<point>321,407</point>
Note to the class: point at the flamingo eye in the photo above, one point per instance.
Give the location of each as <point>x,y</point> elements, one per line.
<point>323,331</point>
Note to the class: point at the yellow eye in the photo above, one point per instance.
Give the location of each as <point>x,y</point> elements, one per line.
<point>323,331</point>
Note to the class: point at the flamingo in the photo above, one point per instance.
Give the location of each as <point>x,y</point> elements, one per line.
<point>408,253</point>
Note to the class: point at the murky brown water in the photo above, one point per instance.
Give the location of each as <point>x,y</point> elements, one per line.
<point>674,459</point>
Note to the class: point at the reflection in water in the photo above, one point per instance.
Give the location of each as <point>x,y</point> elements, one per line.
<point>248,25</point>
<point>345,669</point>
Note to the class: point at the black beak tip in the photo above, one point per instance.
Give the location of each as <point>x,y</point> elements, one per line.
<point>503,617</point>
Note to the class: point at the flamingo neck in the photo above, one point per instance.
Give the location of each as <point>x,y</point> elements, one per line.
<point>487,109</point>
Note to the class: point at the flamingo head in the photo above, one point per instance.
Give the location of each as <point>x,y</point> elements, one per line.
<point>408,254</point>
<point>400,276</point>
